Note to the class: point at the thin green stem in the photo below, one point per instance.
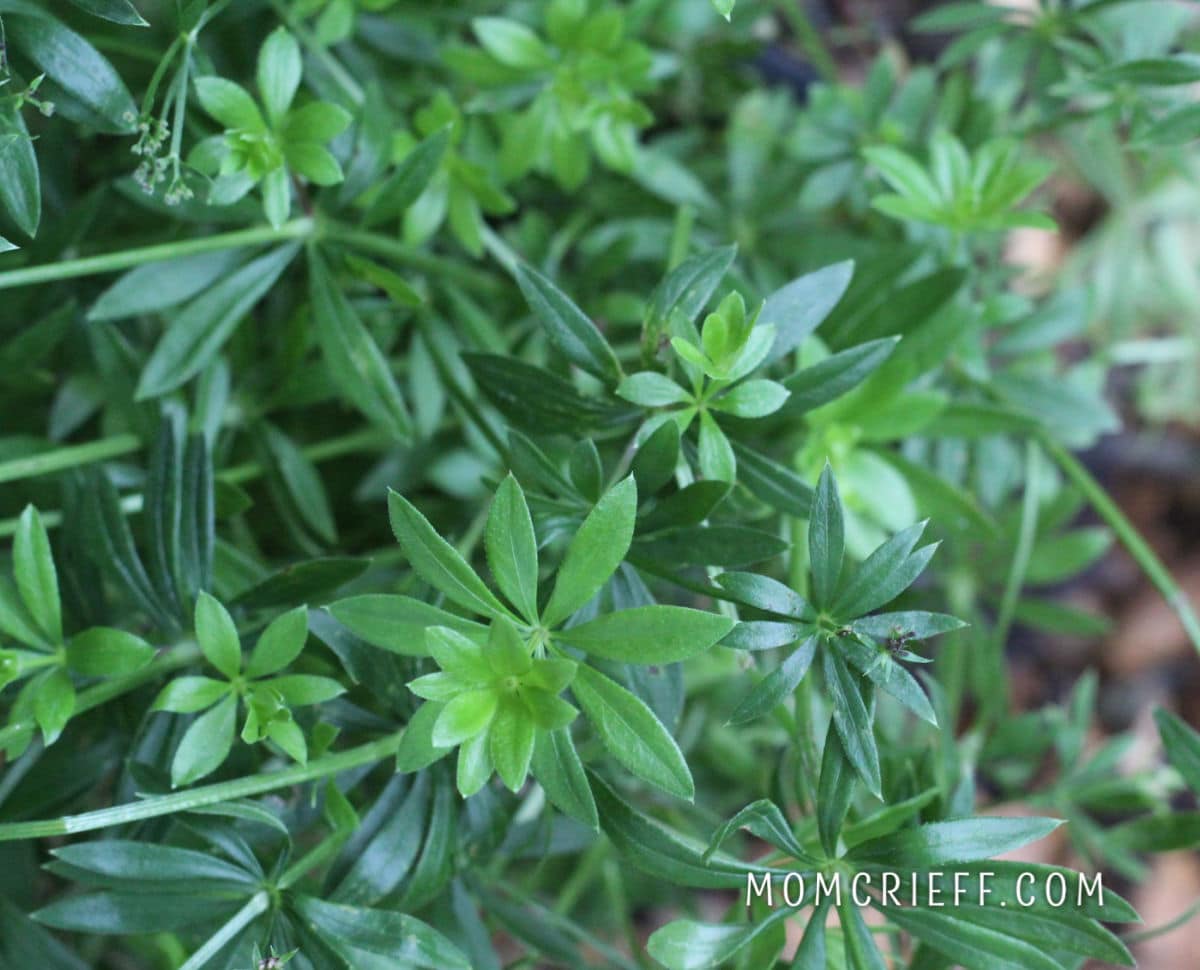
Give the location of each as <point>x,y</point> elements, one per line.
<point>223,791</point>
<point>171,659</point>
<point>1185,917</point>
<point>259,903</point>
<point>128,258</point>
<point>68,456</point>
<point>235,475</point>
<point>1019,566</point>
<point>311,860</point>
<point>1125,530</point>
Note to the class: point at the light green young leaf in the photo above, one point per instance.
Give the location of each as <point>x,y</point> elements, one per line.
<point>218,636</point>
<point>105,652</point>
<point>279,70</point>
<point>53,703</point>
<point>279,644</point>
<point>206,744</point>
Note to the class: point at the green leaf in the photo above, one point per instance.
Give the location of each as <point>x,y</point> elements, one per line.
<point>853,718</point>
<point>315,162</point>
<point>763,819</point>
<point>37,579</point>
<point>1155,72</point>
<point>557,768</point>
<point>279,644</point>
<point>298,483</point>
<point>279,70</point>
<point>835,788</point>
<point>436,561</point>
<point>648,634</point>
<point>631,732</point>
<point>685,944</point>
<point>161,285</point>
<point>764,593</point>
<point>798,308</point>
<point>595,552</point>
<point>411,178</point>
<point>511,43</point>
<point>218,636</point>
<point>961,939</point>
<point>20,182</point>
<point>198,333</point>
<point>301,690</point>
<point>773,483</point>
<point>752,399</point>
<point>358,934</point>
<point>317,121</point>
<point>116,11</point>
<point>652,390</point>
<point>355,363</point>
<point>777,686</point>
<point>187,695</point>
<point>664,853</point>
<point>105,652</point>
<point>860,946</point>
<point>1182,745</point>
<point>877,580</point>
<point>230,104</point>
<point>568,327</point>
<point>512,548</point>
<point>655,460</point>
<point>53,703</point>
<point>834,376</point>
<point>464,717</point>
<point>958,840</point>
<point>206,744</point>
<point>511,737</point>
<point>825,538</point>
<point>417,749</point>
<point>724,7</point>
<point>96,93</point>
<point>397,623</point>
<point>716,458</point>
<point>148,863</point>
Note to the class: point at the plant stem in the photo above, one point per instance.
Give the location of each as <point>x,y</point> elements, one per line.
<point>236,474</point>
<point>172,658</point>
<point>1137,547</point>
<point>1026,534</point>
<point>68,456</point>
<point>223,791</point>
<point>258,904</point>
<point>128,258</point>
<point>323,850</point>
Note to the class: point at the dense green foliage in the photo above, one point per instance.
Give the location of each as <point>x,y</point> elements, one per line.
<point>719,454</point>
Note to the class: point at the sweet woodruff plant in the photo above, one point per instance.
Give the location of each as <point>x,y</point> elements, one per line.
<point>503,484</point>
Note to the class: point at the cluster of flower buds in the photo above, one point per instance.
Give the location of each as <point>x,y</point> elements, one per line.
<point>154,169</point>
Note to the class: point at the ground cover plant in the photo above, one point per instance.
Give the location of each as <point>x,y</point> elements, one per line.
<point>510,484</point>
